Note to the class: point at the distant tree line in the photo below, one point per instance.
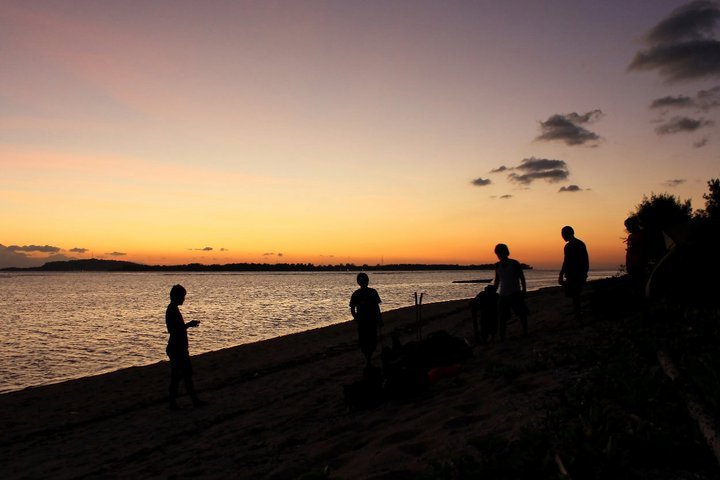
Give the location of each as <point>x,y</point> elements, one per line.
<point>99,265</point>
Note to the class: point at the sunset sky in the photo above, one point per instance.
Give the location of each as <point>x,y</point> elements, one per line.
<point>171,132</point>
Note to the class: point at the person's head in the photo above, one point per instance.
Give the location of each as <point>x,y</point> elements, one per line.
<point>362,279</point>
<point>177,294</point>
<point>491,288</point>
<point>632,224</point>
<point>567,233</point>
<point>502,251</point>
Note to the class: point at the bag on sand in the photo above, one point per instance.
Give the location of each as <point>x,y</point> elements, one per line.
<point>444,350</point>
<point>366,392</point>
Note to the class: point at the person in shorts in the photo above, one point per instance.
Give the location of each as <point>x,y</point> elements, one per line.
<point>177,348</point>
<point>510,285</point>
<point>365,309</point>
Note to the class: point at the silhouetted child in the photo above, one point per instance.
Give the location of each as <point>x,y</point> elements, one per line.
<point>485,305</point>
<point>177,348</point>
<point>510,282</point>
<point>365,309</point>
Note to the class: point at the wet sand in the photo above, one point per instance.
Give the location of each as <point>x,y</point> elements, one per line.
<point>276,408</point>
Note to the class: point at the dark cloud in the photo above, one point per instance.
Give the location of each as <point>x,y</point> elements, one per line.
<point>33,248</point>
<point>694,21</point>
<point>116,254</point>
<point>539,169</point>
<point>78,250</point>
<point>705,100</point>
<point>570,188</point>
<point>505,197</point>
<point>271,254</point>
<point>674,182</point>
<point>481,182</point>
<point>224,249</point>
<point>499,169</point>
<point>207,249</point>
<point>682,124</point>
<point>567,128</point>
<point>683,46</point>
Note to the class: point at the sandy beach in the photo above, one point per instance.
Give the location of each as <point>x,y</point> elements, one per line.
<point>276,408</point>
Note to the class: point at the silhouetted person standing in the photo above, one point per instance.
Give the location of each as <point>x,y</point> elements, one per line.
<point>177,348</point>
<point>510,283</point>
<point>636,254</point>
<point>574,271</point>
<point>365,309</point>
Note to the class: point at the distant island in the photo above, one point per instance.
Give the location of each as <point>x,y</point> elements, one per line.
<point>98,265</point>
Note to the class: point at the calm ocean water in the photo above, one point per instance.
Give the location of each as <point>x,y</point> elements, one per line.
<point>58,326</point>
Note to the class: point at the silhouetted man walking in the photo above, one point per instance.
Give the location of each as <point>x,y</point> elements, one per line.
<point>576,264</point>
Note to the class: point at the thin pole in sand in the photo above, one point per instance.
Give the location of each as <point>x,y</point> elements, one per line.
<point>418,315</point>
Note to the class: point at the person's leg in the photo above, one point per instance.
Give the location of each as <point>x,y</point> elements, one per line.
<point>190,388</point>
<point>477,331</point>
<point>503,316</point>
<point>174,384</point>
<point>368,356</point>
<point>521,310</point>
<point>577,307</point>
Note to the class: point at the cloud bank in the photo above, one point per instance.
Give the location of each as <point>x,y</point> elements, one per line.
<point>16,256</point>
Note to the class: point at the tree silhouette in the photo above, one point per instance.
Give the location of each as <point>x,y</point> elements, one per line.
<point>712,201</point>
<point>660,215</point>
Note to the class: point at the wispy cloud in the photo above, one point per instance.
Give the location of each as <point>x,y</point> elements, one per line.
<point>34,248</point>
<point>683,45</point>
<point>701,143</point>
<point>78,250</point>
<point>116,254</point>
<point>568,128</point>
<point>674,182</point>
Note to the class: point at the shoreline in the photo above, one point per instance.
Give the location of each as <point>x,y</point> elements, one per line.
<point>276,407</point>
<point>36,356</point>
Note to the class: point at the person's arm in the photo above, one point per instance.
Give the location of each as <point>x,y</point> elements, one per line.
<point>191,324</point>
<point>496,281</point>
<point>353,307</point>
<point>521,274</point>
<point>561,277</point>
